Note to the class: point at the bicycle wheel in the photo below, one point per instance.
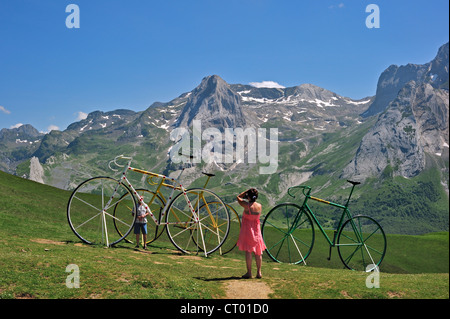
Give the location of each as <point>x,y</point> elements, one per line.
<point>207,233</point>
<point>235,228</point>
<point>361,242</point>
<point>155,203</point>
<point>288,233</point>
<point>91,206</point>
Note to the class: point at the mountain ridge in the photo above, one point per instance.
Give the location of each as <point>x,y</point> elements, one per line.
<point>395,77</point>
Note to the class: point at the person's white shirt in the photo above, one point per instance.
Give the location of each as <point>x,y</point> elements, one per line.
<point>141,212</point>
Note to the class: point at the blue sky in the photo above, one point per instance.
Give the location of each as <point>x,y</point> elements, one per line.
<point>129,54</point>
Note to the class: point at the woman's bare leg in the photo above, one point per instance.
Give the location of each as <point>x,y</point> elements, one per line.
<point>258,259</point>
<point>248,261</point>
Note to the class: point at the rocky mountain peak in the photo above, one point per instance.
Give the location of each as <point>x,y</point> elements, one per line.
<point>212,82</point>
<point>214,103</point>
<point>311,92</point>
<point>438,69</point>
<point>394,78</point>
<point>22,132</point>
<point>100,120</point>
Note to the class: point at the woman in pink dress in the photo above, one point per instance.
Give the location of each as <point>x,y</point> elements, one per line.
<point>250,238</point>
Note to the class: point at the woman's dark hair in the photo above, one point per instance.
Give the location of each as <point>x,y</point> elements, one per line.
<point>252,195</point>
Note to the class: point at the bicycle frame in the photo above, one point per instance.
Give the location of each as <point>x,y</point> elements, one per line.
<point>345,212</point>
<point>360,240</point>
<point>124,179</point>
<point>163,178</point>
<point>160,184</point>
<point>160,195</point>
<point>176,186</point>
<point>150,182</point>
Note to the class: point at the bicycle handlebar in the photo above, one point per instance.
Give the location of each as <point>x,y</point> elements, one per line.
<point>303,187</point>
<point>115,161</point>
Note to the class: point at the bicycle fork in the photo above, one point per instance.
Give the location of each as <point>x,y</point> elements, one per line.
<point>291,230</point>
<point>108,204</point>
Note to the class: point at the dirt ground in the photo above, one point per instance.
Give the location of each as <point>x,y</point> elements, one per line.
<point>247,289</point>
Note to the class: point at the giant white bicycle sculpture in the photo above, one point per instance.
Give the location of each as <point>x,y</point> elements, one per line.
<point>101,210</point>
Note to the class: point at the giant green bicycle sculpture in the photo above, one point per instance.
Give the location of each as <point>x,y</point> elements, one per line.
<point>288,232</point>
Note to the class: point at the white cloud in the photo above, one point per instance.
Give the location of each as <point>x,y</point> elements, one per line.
<point>52,128</point>
<point>16,125</point>
<point>81,116</point>
<point>4,110</point>
<point>266,84</point>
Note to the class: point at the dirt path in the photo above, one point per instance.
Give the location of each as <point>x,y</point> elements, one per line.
<point>247,289</point>
<point>235,287</point>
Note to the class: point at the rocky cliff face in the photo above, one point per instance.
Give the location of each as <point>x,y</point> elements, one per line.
<point>18,144</point>
<point>36,170</point>
<point>414,101</point>
<point>415,124</point>
<point>394,78</point>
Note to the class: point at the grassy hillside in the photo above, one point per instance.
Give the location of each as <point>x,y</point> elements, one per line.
<point>36,245</point>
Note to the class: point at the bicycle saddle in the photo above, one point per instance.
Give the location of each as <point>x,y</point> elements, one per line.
<point>353,183</point>
<point>208,174</point>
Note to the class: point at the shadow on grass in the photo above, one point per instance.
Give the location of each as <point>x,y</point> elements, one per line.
<point>219,278</point>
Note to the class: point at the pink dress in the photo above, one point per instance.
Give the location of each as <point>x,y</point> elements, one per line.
<point>250,237</point>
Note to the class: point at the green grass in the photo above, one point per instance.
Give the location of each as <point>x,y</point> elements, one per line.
<point>36,245</point>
